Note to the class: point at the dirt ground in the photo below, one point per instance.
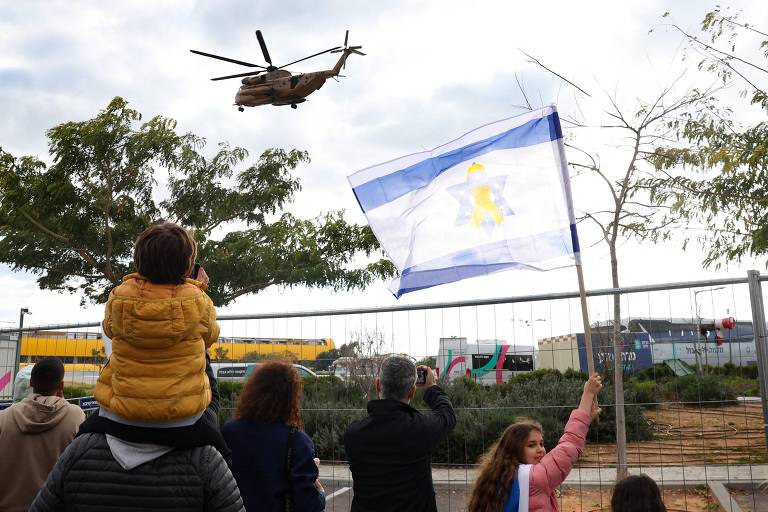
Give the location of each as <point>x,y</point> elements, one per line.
<point>751,500</point>
<point>593,500</point>
<point>693,435</point>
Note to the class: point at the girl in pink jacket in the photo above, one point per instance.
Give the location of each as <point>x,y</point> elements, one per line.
<point>517,474</point>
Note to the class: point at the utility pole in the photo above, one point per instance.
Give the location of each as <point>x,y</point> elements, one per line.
<point>24,311</point>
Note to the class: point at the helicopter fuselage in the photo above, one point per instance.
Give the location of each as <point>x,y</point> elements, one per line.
<point>279,88</point>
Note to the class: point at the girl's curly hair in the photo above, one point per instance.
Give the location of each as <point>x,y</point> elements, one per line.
<point>272,393</point>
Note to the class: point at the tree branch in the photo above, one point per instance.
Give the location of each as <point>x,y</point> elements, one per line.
<point>712,48</point>
<point>108,271</point>
<point>82,252</point>
<point>533,60</point>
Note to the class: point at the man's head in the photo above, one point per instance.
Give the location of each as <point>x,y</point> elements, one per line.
<point>164,253</point>
<point>48,377</point>
<point>397,379</point>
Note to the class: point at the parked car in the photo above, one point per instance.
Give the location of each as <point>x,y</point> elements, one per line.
<point>235,371</point>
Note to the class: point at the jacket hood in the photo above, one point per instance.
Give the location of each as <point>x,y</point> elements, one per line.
<point>38,413</point>
<point>150,315</point>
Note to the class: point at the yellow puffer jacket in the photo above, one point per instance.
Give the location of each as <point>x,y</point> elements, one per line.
<point>159,333</point>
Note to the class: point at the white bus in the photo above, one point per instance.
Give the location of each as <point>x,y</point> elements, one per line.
<point>486,361</point>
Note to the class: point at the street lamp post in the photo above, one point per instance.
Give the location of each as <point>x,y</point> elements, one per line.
<point>24,311</point>
<point>698,329</point>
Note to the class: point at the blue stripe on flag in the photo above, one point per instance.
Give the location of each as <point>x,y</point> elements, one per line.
<point>427,278</point>
<point>388,188</point>
<point>575,239</point>
<point>521,253</point>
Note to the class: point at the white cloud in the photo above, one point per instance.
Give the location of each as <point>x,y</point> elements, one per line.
<point>434,70</point>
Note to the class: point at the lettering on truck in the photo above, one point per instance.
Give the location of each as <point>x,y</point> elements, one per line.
<point>625,356</point>
<point>709,350</point>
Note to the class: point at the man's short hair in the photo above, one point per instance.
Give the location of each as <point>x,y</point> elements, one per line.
<point>47,374</point>
<point>397,377</point>
<point>163,253</point>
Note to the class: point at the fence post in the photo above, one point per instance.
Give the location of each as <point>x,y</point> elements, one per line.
<point>761,339</point>
<point>17,355</point>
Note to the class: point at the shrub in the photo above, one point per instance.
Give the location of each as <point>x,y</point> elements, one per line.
<point>329,405</point>
<point>77,391</point>
<point>643,392</point>
<point>570,373</point>
<point>659,372</point>
<point>730,370</point>
<point>709,389</point>
<point>539,374</point>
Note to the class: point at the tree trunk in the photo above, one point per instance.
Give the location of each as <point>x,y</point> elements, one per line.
<point>618,374</point>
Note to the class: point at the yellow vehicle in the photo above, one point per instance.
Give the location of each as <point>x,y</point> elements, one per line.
<point>84,351</point>
<point>297,349</point>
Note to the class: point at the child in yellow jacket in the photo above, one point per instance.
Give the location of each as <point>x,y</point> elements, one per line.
<point>161,325</point>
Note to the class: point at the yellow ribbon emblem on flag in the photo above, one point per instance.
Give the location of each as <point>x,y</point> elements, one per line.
<point>484,204</point>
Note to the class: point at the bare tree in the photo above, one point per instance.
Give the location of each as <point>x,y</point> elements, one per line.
<point>624,210</point>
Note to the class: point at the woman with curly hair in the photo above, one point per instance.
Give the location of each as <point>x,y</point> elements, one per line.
<point>272,458</point>
<point>517,473</point>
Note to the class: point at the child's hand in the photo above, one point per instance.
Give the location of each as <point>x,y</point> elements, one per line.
<point>595,412</point>
<point>593,385</point>
<point>202,276</point>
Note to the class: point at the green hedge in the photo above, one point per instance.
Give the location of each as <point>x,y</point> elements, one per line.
<point>711,389</point>
<point>483,412</point>
<point>77,391</point>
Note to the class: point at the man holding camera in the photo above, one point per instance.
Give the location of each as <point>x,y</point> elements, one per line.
<point>390,451</point>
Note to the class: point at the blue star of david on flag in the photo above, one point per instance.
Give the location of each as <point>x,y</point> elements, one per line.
<point>481,202</point>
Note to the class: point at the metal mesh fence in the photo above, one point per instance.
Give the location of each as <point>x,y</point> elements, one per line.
<point>694,417</point>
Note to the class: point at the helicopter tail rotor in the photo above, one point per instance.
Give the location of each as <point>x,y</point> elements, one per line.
<point>350,49</point>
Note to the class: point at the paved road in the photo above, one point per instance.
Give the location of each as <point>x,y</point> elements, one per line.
<point>664,475</point>
<point>451,484</point>
<point>450,497</point>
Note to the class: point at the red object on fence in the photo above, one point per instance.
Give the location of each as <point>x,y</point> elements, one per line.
<point>726,323</point>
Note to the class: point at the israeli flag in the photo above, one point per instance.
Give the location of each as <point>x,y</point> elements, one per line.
<point>494,199</point>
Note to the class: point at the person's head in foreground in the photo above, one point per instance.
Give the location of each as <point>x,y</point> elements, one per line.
<point>165,253</point>
<point>397,379</point>
<point>48,377</point>
<point>637,493</point>
<point>521,443</point>
<point>272,393</point>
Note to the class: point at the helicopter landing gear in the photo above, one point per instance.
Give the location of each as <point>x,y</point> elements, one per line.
<point>241,109</point>
<point>293,105</point>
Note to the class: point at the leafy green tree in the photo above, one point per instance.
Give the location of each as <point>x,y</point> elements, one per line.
<point>73,223</point>
<point>430,361</point>
<point>324,359</point>
<point>715,175</point>
<point>220,354</point>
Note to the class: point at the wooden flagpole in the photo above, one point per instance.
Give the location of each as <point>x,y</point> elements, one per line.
<point>585,317</point>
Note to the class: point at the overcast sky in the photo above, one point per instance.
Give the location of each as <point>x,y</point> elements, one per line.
<point>434,70</point>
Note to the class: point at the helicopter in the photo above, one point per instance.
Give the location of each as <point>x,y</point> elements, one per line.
<point>273,85</point>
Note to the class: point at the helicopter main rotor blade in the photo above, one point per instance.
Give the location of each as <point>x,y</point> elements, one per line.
<point>252,73</point>
<point>263,47</point>
<point>314,55</point>
<point>242,63</point>
<point>346,38</point>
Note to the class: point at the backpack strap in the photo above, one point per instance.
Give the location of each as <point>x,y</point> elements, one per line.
<point>288,464</point>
